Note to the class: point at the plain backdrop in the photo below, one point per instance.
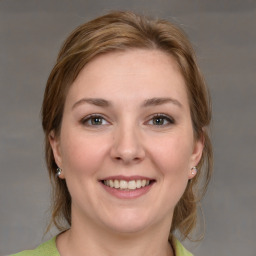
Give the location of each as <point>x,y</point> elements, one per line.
<point>223,33</point>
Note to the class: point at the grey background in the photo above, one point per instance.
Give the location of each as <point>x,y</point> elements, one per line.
<point>224,35</point>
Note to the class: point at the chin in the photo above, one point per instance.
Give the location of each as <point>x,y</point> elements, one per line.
<point>129,223</point>
<point>128,229</point>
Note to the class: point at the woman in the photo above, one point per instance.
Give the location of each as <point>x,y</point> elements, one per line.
<point>125,116</point>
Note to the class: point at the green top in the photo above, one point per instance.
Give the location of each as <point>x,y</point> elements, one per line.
<point>49,249</point>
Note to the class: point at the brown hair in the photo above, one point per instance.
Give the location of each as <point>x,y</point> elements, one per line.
<point>119,31</point>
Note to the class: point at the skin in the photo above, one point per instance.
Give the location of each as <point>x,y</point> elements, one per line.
<point>125,138</point>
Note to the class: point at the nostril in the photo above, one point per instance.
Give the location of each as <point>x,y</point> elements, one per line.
<point>127,148</point>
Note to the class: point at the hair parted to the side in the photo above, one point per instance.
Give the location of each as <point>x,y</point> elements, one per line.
<point>120,31</point>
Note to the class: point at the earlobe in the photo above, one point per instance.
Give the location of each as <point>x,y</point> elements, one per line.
<point>196,156</point>
<point>59,173</point>
<point>193,172</point>
<point>55,145</point>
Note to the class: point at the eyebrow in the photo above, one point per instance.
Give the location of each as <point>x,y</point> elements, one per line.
<point>160,101</point>
<point>94,101</point>
<point>147,103</point>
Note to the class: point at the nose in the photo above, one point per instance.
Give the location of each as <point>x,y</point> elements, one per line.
<point>127,146</point>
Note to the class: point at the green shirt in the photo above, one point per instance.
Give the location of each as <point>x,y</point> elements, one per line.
<point>49,249</point>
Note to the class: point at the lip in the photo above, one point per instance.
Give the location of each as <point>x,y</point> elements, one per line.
<point>126,178</point>
<point>127,194</point>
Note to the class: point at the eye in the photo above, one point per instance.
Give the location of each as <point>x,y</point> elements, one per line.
<point>161,120</point>
<point>94,120</point>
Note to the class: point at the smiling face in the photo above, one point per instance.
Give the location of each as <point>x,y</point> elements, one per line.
<point>126,145</point>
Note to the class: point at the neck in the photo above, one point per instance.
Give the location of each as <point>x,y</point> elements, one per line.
<point>89,239</point>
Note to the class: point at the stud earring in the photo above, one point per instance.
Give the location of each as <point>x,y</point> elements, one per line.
<point>58,173</point>
<point>194,170</point>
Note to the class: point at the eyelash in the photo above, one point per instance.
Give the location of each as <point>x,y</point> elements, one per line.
<point>166,119</point>
<point>163,117</point>
<point>85,120</point>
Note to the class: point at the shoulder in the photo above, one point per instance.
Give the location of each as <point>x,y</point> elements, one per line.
<point>179,249</point>
<point>46,249</point>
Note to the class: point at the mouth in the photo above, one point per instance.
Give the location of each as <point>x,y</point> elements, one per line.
<point>124,187</point>
<point>127,185</point>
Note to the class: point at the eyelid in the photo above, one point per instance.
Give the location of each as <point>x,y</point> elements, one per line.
<point>169,118</point>
<point>88,117</point>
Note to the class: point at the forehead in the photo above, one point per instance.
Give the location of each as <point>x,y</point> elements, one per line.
<point>131,73</point>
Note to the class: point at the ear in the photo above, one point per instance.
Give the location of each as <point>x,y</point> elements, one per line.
<point>196,156</point>
<point>55,145</point>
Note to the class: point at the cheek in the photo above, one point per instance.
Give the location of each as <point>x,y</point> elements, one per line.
<point>171,160</point>
<point>82,155</point>
<point>173,155</point>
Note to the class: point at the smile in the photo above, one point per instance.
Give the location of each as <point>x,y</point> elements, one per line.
<point>126,185</point>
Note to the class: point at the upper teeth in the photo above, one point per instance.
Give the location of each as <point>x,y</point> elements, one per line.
<point>123,184</point>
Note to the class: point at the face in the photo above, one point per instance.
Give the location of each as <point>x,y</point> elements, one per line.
<point>126,145</point>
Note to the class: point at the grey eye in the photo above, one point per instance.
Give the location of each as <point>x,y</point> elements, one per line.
<point>161,120</point>
<point>94,120</point>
